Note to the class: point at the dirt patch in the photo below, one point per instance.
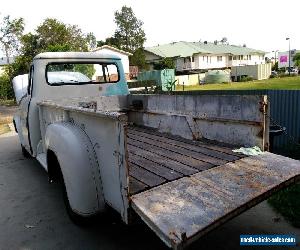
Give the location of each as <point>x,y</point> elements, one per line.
<point>4,128</point>
<point>6,114</point>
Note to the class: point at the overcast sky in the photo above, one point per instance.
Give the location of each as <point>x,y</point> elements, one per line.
<point>260,24</point>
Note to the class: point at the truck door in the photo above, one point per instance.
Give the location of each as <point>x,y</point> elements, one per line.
<point>24,118</point>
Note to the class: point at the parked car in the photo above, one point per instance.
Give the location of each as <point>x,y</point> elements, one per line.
<point>293,71</point>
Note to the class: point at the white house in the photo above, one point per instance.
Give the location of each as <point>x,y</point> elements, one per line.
<point>106,49</point>
<point>198,56</point>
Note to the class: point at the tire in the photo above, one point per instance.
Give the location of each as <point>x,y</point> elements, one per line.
<point>75,218</point>
<point>25,152</point>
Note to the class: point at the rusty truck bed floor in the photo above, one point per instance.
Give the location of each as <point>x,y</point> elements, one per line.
<point>156,158</point>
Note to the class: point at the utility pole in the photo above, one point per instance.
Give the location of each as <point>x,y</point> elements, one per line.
<point>289,54</point>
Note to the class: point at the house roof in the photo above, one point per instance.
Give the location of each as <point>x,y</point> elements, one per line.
<point>113,49</point>
<point>184,49</point>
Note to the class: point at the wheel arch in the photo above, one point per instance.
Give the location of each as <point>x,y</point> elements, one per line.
<point>70,151</point>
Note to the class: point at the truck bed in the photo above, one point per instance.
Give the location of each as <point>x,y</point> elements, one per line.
<point>156,158</point>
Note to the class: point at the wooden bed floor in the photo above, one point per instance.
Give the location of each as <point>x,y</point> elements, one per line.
<point>156,158</point>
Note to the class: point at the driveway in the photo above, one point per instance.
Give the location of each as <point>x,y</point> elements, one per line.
<point>32,216</point>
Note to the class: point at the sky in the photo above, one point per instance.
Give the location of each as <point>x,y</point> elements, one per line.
<point>260,24</point>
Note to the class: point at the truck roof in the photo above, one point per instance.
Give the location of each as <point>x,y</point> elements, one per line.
<point>75,55</point>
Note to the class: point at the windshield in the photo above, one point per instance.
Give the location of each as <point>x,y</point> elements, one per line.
<point>81,73</point>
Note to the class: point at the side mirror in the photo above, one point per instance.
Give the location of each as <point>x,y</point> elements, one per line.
<point>20,85</point>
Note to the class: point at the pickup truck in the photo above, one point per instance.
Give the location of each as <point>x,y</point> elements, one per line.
<point>167,159</point>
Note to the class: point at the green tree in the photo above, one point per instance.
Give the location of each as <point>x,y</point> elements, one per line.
<point>111,41</point>
<point>275,66</point>
<point>10,32</point>
<point>54,36</point>
<point>166,63</point>
<point>296,59</point>
<point>138,58</point>
<point>52,32</point>
<point>129,33</point>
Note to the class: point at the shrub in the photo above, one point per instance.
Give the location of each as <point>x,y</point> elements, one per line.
<point>6,90</point>
<point>246,78</point>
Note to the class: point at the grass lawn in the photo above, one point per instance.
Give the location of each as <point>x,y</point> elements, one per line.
<point>286,83</point>
<point>7,102</point>
<point>287,203</point>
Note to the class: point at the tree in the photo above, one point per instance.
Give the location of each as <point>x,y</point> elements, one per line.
<point>138,58</point>
<point>52,35</point>
<point>91,41</point>
<point>55,33</point>
<point>129,32</point>
<point>111,41</point>
<point>275,67</point>
<point>224,40</point>
<point>296,59</point>
<point>166,63</point>
<point>10,33</point>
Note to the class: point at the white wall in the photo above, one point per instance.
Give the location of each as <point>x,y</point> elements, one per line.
<point>209,61</point>
<point>124,58</point>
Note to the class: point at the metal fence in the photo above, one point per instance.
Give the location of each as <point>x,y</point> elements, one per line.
<point>284,109</point>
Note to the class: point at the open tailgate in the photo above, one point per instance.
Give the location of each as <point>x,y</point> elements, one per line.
<point>183,210</point>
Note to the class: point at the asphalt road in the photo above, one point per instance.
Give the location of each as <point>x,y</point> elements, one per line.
<point>32,216</point>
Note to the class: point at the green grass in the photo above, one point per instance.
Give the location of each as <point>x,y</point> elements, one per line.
<point>10,102</point>
<point>286,83</point>
<point>287,203</point>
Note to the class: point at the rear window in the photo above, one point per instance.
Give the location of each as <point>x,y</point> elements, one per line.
<point>81,73</point>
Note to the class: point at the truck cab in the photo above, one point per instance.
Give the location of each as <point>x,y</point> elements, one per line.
<point>64,75</point>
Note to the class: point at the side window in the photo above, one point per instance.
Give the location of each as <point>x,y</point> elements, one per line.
<point>30,80</point>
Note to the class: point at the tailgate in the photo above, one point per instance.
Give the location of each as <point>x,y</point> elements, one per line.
<point>185,209</point>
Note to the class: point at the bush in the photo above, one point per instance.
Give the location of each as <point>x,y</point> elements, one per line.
<point>281,75</point>
<point>6,89</point>
<point>273,76</point>
<point>246,78</point>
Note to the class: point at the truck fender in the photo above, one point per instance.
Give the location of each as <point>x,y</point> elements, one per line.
<point>79,166</point>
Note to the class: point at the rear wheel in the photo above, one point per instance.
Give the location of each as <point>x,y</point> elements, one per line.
<point>56,176</point>
<point>76,218</point>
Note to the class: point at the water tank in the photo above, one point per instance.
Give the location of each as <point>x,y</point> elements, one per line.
<point>217,76</point>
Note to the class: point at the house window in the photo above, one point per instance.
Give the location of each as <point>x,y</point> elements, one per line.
<point>249,57</point>
<point>203,58</point>
<point>219,58</point>
<point>193,59</point>
<point>242,57</point>
<point>207,59</point>
<point>234,58</point>
<point>230,58</point>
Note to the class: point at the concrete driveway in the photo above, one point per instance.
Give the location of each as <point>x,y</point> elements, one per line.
<point>32,216</point>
